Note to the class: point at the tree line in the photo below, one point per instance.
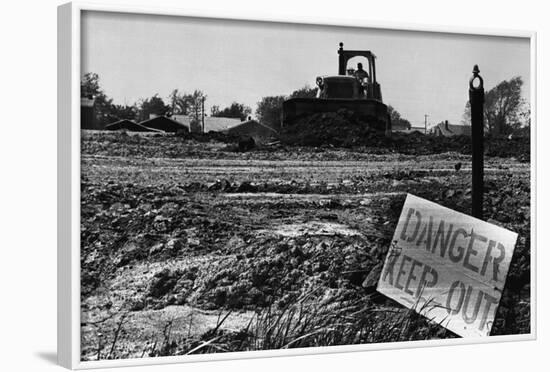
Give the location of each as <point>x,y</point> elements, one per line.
<point>268,110</point>
<point>178,103</point>
<point>505,110</point>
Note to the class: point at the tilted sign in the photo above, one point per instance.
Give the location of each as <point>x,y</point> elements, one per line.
<point>448,266</point>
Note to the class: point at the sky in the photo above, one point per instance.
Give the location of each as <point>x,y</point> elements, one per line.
<point>137,56</point>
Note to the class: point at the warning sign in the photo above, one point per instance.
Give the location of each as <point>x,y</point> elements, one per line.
<point>447,266</point>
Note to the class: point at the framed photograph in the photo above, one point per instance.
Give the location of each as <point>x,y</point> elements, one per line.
<point>236,188</point>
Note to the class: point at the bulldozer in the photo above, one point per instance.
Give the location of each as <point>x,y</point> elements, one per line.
<point>347,90</point>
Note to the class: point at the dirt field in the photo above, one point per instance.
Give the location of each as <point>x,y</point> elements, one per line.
<point>191,247</point>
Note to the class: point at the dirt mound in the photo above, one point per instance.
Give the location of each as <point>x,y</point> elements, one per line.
<point>345,129</point>
<point>340,129</point>
<point>266,271</point>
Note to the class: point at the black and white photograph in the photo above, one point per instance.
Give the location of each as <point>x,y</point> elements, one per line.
<point>249,186</point>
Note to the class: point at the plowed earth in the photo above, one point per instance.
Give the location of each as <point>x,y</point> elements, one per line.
<point>190,247</point>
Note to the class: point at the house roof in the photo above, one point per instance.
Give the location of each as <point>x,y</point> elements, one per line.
<point>252,128</point>
<point>412,130</point>
<point>449,130</point>
<point>129,125</point>
<point>165,124</point>
<point>400,125</point>
<point>211,123</point>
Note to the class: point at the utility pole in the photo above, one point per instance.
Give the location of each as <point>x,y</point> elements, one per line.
<point>426,123</point>
<point>203,98</point>
<point>477,97</point>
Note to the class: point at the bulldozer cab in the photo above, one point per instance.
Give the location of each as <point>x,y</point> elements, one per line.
<point>370,89</point>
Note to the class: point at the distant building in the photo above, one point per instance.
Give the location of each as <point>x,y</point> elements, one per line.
<point>448,130</point>
<point>420,130</point>
<point>251,128</point>
<point>87,114</point>
<point>165,124</point>
<point>211,123</point>
<point>129,125</point>
<point>400,125</point>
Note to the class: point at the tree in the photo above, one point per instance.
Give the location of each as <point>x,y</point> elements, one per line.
<point>396,120</point>
<point>304,92</point>
<point>195,103</point>
<point>190,104</point>
<point>180,102</point>
<point>504,108</point>
<point>236,110</point>
<point>269,111</point>
<point>89,85</point>
<point>90,88</point>
<point>215,110</point>
<point>105,110</point>
<point>154,105</point>
<point>120,112</point>
<point>524,115</point>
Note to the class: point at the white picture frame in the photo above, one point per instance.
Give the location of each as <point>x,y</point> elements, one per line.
<point>69,52</point>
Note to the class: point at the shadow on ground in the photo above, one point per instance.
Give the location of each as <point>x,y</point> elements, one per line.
<point>48,356</point>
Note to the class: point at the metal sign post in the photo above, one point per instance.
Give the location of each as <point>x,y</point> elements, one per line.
<point>477,95</point>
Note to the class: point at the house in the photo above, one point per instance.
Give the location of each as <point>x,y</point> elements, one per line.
<point>448,130</point>
<point>87,114</point>
<point>211,123</point>
<point>417,130</point>
<point>400,125</point>
<point>165,124</point>
<point>251,128</point>
<point>129,125</point>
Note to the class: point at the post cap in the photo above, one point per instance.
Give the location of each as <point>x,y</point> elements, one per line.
<point>476,76</point>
